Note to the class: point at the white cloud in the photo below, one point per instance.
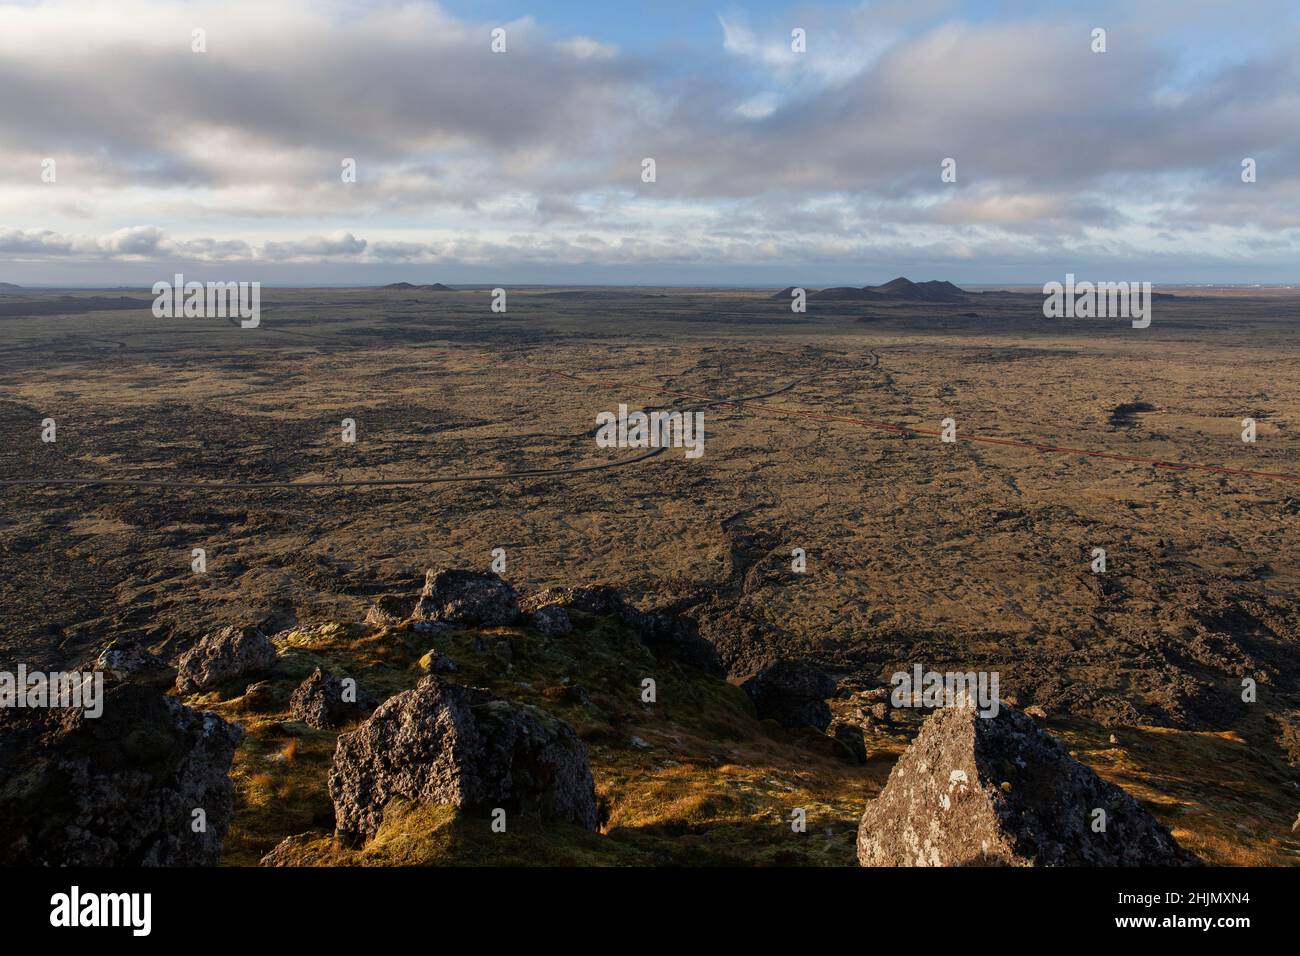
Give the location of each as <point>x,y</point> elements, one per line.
<point>758,106</point>
<point>534,156</point>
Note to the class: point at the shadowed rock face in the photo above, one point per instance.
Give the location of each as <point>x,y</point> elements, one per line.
<point>446,744</point>
<point>552,620</point>
<point>321,701</point>
<point>117,790</point>
<point>792,693</point>
<point>975,791</point>
<point>901,289</point>
<point>467,599</point>
<point>676,633</point>
<point>389,609</point>
<point>224,655</point>
<point>592,599</point>
<point>123,660</point>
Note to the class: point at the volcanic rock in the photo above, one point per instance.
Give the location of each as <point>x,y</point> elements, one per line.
<point>594,599</point>
<point>851,739</point>
<point>428,287</point>
<point>677,634</point>
<point>259,697</point>
<point>436,662</point>
<point>441,743</point>
<point>847,294</point>
<point>793,693</point>
<point>901,289</point>
<point>467,599</point>
<point>326,702</point>
<point>389,609</point>
<point>224,655</point>
<point>997,791</point>
<point>120,789</point>
<point>122,660</point>
<point>552,620</point>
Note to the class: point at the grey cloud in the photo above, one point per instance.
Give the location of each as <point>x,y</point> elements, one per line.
<point>321,247</point>
<point>1054,144</point>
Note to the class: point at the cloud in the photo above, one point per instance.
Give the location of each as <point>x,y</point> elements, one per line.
<point>315,247</point>
<point>153,244</point>
<point>534,155</point>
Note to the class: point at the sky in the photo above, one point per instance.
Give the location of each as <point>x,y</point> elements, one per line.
<point>127,155</point>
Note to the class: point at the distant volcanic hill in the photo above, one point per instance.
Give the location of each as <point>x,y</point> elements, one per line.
<point>898,290</point>
<point>435,287</point>
<point>933,291</point>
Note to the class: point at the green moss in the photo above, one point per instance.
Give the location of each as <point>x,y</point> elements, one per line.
<point>714,786</point>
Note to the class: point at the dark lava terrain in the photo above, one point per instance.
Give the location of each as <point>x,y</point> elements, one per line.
<point>1072,435</point>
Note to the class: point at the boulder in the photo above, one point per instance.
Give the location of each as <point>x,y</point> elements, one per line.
<point>436,662</point>
<point>677,634</point>
<point>389,609</point>
<point>222,656</point>
<point>467,599</point>
<point>123,660</point>
<point>568,693</point>
<point>744,640</point>
<point>287,851</point>
<point>259,697</point>
<point>851,740</point>
<point>998,791</point>
<point>793,693</point>
<point>326,702</point>
<point>120,789</point>
<point>441,743</point>
<point>596,599</point>
<point>552,620</point>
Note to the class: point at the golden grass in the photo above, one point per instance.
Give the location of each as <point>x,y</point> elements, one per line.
<point>715,785</point>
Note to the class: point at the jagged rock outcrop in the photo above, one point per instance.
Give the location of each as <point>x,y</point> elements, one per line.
<point>677,634</point>
<point>744,642</point>
<point>467,599</point>
<point>593,599</point>
<point>224,655</point>
<point>447,744</point>
<point>120,789</point>
<point>552,620</point>
<point>327,702</point>
<point>122,660</point>
<point>997,791</point>
<point>793,693</point>
<point>674,632</point>
<point>388,609</point>
<point>285,853</point>
<point>259,697</point>
<point>851,740</point>
<point>436,662</point>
